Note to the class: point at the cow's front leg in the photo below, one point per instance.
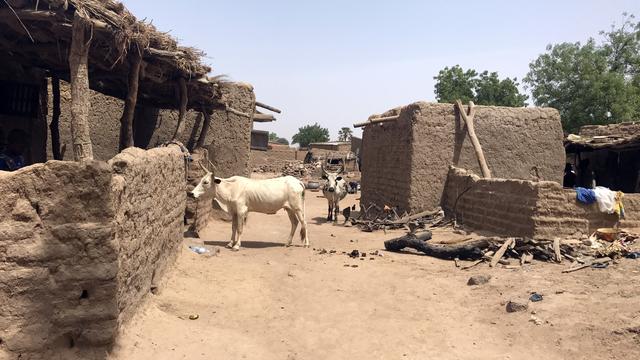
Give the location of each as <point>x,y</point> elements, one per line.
<point>234,228</point>
<point>330,216</point>
<point>239,228</point>
<point>336,211</point>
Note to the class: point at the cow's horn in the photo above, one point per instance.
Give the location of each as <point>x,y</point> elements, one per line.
<point>213,167</point>
<point>203,167</point>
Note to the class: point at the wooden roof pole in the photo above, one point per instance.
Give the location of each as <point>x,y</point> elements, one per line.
<point>205,129</point>
<point>126,122</point>
<point>468,119</point>
<point>54,127</point>
<point>80,95</point>
<point>182,87</point>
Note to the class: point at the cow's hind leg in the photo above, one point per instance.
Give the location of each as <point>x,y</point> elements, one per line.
<point>240,219</point>
<point>304,237</point>
<point>294,224</point>
<point>234,228</point>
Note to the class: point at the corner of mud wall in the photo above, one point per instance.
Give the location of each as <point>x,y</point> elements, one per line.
<point>149,192</point>
<point>386,163</point>
<point>230,148</point>
<point>58,258</point>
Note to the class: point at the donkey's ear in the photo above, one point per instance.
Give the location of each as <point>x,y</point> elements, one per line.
<point>217,181</point>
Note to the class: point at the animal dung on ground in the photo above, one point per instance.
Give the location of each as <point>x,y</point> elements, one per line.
<point>478,280</point>
<point>513,306</point>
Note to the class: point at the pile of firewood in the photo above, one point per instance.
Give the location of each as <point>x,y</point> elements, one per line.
<point>515,252</point>
<point>374,218</point>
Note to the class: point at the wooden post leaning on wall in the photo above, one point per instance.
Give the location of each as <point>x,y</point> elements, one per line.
<point>80,95</point>
<point>184,99</point>
<point>468,119</point>
<point>54,127</point>
<point>126,122</point>
<point>205,129</point>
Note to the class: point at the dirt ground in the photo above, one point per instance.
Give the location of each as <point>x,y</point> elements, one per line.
<point>271,302</point>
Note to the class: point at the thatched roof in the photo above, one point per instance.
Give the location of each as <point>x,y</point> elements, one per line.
<point>577,143</point>
<point>37,33</point>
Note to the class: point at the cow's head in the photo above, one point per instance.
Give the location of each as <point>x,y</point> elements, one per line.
<point>332,178</point>
<point>206,183</point>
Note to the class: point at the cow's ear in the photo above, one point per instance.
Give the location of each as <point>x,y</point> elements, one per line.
<point>217,181</point>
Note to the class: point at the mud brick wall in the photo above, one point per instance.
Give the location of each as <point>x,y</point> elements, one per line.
<point>149,194</point>
<point>542,210</point>
<point>58,257</point>
<point>199,211</point>
<point>228,139</point>
<point>518,143</point>
<point>230,148</point>
<point>82,244</point>
<point>495,205</point>
<point>386,164</point>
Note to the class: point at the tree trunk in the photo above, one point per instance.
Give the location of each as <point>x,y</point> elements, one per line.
<point>55,119</point>
<point>205,130</point>
<point>466,251</point>
<point>126,122</point>
<point>80,95</point>
<point>182,86</point>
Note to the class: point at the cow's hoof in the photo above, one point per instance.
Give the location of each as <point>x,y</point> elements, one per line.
<point>230,245</point>
<point>287,245</point>
<point>235,248</point>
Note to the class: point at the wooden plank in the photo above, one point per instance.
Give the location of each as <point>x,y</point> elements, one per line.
<point>184,99</point>
<point>468,119</point>
<point>265,106</point>
<point>377,121</point>
<point>205,130</point>
<point>498,255</point>
<point>556,249</point>
<point>54,127</point>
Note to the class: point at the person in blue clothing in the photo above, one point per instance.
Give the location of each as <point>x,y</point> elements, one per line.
<point>12,158</point>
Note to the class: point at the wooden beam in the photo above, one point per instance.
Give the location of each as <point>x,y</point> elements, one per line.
<point>126,122</point>
<point>265,106</point>
<point>377,120</point>
<point>182,89</point>
<point>54,127</point>
<point>468,119</point>
<point>80,94</point>
<point>263,118</point>
<point>205,130</point>
<point>237,112</point>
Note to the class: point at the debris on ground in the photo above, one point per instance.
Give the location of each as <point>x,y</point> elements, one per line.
<point>513,306</point>
<point>534,319</point>
<point>374,218</point>
<point>593,252</point>
<point>478,280</point>
<point>194,317</point>
<point>354,254</point>
<point>535,297</point>
<point>198,249</point>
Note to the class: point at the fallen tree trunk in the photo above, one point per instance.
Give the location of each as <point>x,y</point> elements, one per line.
<point>471,250</point>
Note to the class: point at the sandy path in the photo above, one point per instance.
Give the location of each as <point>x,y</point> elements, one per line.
<point>271,302</point>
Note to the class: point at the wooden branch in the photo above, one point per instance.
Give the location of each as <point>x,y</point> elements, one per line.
<point>468,119</point>
<point>377,120</point>
<point>54,127</point>
<point>419,215</point>
<point>556,249</point>
<point>80,94</point>
<point>205,129</point>
<point>265,106</point>
<point>603,260</point>
<point>182,83</point>
<point>126,122</point>
<point>237,112</point>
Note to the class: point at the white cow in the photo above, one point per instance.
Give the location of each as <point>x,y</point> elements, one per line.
<point>334,190</point>
<point>239,195</point>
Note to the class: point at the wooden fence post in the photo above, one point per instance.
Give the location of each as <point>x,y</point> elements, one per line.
<point>80,93</point>
<point>126,122</point>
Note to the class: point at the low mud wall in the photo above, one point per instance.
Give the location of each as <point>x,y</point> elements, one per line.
<point>526,208</point>
<point>82,244</point>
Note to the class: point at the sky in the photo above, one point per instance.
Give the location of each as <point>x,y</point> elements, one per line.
<point>338,62</point>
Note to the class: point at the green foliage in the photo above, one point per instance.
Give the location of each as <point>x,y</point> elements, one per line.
<point>484,89</point>
<point>309,134</point>
<point>345,134</point>
<point>273,137</point>
<point>591,83</point>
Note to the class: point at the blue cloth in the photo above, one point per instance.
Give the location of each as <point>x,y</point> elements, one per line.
<point>586,196</point>
<point>11,163</point>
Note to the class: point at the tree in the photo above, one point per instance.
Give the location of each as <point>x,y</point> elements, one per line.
<point>591,83</point>
<point>309,134</point>
<point>484,89</point>
<point>274,138</point>
<point>345,134</point>
<point>455,83</point>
